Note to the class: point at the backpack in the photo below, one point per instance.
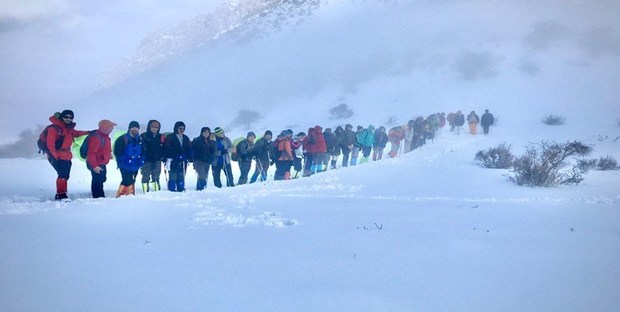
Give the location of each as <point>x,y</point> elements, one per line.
<point>42,141</point>
<point>84,146</point>
<point>233,153</point>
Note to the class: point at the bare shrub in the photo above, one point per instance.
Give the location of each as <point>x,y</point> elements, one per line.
<point>550,164</point>
<point>245,118</point>
<point>607,163</point>
<point>498,157</point>
<point>553,120</point>
<point>341,111</point>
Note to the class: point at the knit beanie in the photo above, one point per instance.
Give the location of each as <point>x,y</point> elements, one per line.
<point>218,131</point>
<point>67,112</point>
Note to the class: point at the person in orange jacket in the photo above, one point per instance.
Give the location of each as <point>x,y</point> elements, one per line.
<point>99,155</point>
<point>58,141</point>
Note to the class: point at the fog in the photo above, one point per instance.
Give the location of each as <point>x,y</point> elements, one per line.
<point>403,56</point>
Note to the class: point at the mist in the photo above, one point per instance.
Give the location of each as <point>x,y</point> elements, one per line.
<point>381,58</point>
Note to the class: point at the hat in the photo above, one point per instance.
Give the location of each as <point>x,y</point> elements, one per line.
<point>268,132</point>
<point>251,134</point>
<point>284,133</point>
<point>106,126</point>
<point>134,124</point>
<point>289,131</point>
<point>67,112</point>
<point>218,131</point>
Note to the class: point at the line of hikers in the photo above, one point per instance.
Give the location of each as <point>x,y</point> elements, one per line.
<point>306,153</point>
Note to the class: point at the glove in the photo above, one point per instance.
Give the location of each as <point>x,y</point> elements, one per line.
<point>168,162</point>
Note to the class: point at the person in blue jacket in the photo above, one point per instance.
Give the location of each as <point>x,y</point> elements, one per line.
<point>128,154</point>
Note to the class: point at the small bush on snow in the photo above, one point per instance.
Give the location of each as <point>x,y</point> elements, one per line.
<point>498,157</point>
<point>607,163</point>
<point>550,164</point>
<point>553,120</point>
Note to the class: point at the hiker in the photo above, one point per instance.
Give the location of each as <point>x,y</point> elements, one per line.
<point>367,140</point>
<point>245,152</point>
<point>486,121</point>
<point>333,149</point>
<point>204,151</point>
<point>98,155</point>
<point>128,154</point>
<point>473,120</point>
<point>433,126</point>
<point>285,161</point>
<point>459,121</point>
<point>450,118</point>
<point>221,161</point>
<point>298,153</point>
<point>381,139</point>
<point>419,133</point>
<point>320,150</point>
<point>395,135</point>
<point>357,146</point>
<point>178,149</point>
<point>346,145</point>
<point>261,152</point>
<point>58,141</point>
<point>409,145</point>
<point>308,145</point>
<point>153,154</point>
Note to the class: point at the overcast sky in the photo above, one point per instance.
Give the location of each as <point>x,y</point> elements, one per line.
<point>55,51</point>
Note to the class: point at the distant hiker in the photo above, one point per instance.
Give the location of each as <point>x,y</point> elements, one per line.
<point>128,154</point>
<point>395,135</point>
<point>473,120</point>
<point>204,153</point>
<point>298,153</point>
<point>178,151</point>
<point>245,150</point>
<point>221,161</point>
<point>58,142</point>
<point>408,144</point>
<point>347,144</point>
<point>486,121</point>
<point>261,152</point>
<point>367,140</point>
<point>381,139</point>
<point>98,156</point>
<point>442,119</point>
<point>357,146</point>
<point>333,148</point>
<point>285,160</point>
<point>153,152</point>
<point>433,123</point>
<point>419,133</point>
<point>450,118</point>
<point>320,150</point>
<point>459,121</point>
<point>308,145</point>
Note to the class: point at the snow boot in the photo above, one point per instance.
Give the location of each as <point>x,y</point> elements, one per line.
<point>122,190</point>
<point>145,188</point>
<point>131,190</point>
<point>180,186</point>
<point>155,186</point>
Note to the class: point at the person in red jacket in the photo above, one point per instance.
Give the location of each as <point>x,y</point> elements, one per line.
<point>59,140</point>
<point>99,154</point>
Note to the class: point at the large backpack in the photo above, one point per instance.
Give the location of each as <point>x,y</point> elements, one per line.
<point>42,141</point>
<point>84,147</point>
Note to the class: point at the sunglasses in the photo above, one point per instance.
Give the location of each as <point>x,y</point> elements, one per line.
<point>67,117</point>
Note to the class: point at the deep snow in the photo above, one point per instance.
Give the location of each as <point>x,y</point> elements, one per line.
<point>429,231</point>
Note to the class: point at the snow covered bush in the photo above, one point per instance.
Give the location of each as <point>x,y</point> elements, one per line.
<point>341,111</point>
<point>25,146</point>
<point>550,164</point>
<point>498,157</point>
<point>607,163</point>
<point>553,120</point>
